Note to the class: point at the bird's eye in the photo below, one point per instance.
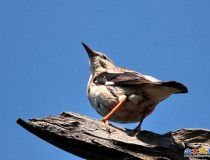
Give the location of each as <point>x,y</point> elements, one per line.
<point>104,57</point>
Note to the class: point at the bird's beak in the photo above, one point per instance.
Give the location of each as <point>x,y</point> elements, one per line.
<point>90,52</point>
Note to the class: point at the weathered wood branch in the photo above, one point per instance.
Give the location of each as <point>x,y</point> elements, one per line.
<point>88,138</point>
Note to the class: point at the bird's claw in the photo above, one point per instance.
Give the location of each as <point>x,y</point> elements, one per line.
<point>137,130</point>
<point>106,124</point>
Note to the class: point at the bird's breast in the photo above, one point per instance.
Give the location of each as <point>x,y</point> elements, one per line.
<point>104,98</point>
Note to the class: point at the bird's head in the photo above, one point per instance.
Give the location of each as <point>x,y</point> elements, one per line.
<point>99,62</point>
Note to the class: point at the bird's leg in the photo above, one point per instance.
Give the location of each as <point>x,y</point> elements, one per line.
<point>138,128</point>
<point>122,100</point>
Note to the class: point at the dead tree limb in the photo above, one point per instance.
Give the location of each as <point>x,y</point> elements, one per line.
<point>88,138</point>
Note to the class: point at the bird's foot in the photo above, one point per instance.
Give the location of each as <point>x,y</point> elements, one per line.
<point>106,124</point>
<point>137,130</point>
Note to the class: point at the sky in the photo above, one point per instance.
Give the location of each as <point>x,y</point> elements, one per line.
<point>44,68</point>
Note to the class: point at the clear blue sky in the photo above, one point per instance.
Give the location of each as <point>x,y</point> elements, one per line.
<point>44,68</point>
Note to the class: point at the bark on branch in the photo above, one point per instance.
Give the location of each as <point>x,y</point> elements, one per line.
<point>88,138</point>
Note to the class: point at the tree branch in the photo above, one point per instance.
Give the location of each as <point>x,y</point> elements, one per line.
<point>88,138</point>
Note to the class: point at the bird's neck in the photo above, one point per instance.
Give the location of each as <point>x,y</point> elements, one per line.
<point>96,67</point>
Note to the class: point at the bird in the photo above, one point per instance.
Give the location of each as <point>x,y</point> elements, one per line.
<point>122,95</point>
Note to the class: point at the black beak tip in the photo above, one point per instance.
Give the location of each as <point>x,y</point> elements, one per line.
<point>88,50</point>
<point>83,44</point>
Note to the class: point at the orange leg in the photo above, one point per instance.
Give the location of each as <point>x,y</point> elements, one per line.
<point>106,118</point>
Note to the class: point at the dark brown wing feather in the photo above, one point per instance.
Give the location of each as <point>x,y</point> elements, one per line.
<point>118,77</point>
<point>122,76</point>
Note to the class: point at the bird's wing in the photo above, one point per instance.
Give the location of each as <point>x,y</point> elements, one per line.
<point>122,76</point>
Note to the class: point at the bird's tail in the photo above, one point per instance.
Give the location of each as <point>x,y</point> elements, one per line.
<point>176,85</point>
